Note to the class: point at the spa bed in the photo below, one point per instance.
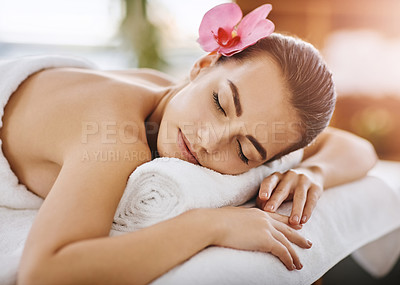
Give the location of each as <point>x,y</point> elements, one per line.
<point>360,218</point>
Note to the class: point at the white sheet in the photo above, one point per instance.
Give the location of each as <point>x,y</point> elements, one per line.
<point>379,257</point>
<point>343,221</point>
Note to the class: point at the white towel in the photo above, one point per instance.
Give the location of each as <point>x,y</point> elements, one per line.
<point>18,206</point>
<point>167,187</point>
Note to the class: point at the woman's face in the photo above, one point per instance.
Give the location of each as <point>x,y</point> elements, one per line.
<point>231,117</point>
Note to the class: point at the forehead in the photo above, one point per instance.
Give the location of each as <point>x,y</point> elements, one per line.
<point>260,83</point>
<point>267,113</point>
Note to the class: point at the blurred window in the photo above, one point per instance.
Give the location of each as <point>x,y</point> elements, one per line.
<point>60,22</point>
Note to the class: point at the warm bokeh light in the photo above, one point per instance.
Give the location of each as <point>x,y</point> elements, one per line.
<point>360,40</point>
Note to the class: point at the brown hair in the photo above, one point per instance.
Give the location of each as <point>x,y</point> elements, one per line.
<point>308,80</point>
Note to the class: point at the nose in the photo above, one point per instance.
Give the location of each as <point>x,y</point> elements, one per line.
<point>212,137</point>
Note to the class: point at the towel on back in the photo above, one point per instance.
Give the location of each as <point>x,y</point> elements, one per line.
<point>18,206</point>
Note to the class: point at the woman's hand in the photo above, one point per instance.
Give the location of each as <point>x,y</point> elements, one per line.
<point>253,229</point>
<point>303,185</point>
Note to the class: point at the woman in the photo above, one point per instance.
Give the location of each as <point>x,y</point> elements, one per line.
<point>243,107</point>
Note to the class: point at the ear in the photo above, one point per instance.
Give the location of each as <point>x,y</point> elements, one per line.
<point>204,62</point>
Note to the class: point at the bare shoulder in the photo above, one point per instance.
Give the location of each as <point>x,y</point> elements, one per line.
<point>319,141</point>
<point>152,75</point>
<point>338,138</point>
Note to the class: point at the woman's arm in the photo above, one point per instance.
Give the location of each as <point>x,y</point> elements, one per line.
<point>336,157</point>
<point>69,243</point>
<point>339,157</point>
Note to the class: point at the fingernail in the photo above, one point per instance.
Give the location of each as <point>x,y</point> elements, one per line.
<point>300,266</point>
<point>265,195</point>
<point>309,243</point>
<point>270,207</point>
<point>295,218</point>
<point>304,219</point>
<point>293,267</point>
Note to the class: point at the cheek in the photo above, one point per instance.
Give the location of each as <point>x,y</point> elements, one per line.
<point>182,112</point>
<point>226,161</point>
<point>228,167</point>
<point>186,98</point>
<point>191,106</point>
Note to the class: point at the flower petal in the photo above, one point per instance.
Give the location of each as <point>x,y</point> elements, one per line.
<point>263,29</point>
<point>208,43</point>
<point>228,51</point>
<point>224,16</point>
<point>250,21</point>
<point>223,36</point>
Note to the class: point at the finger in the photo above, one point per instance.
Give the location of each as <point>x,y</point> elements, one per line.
<point>283,240</point>
<point>260,203</point>
<point>289,197</point>
<point>292,235</point>
<point>313,196</point>
<point>299,200</point>
<point>280,251</point>
<point>285,220</point>
<point>280,193</point>
<point>268,185</point>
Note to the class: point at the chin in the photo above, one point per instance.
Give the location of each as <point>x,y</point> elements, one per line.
<point>166,147</point>
<point>168,152</point>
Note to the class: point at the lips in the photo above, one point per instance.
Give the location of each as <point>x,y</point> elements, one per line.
<point>185,148</point>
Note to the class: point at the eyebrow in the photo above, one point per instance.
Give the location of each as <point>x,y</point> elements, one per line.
<point>236,101</point>
<point>261,150</point>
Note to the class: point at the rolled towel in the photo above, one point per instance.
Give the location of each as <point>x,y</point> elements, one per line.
<point>166,187</point>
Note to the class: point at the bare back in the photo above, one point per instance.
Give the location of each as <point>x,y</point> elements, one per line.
<point>51,111</point>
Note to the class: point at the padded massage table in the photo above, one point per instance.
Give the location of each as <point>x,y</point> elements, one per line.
<point>362,217</point>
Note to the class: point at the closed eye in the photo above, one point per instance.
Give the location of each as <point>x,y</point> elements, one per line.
<point>217,104</point>
<point>241,154</point>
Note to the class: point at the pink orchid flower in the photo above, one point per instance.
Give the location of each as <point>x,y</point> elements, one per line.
<point>223,30</point>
